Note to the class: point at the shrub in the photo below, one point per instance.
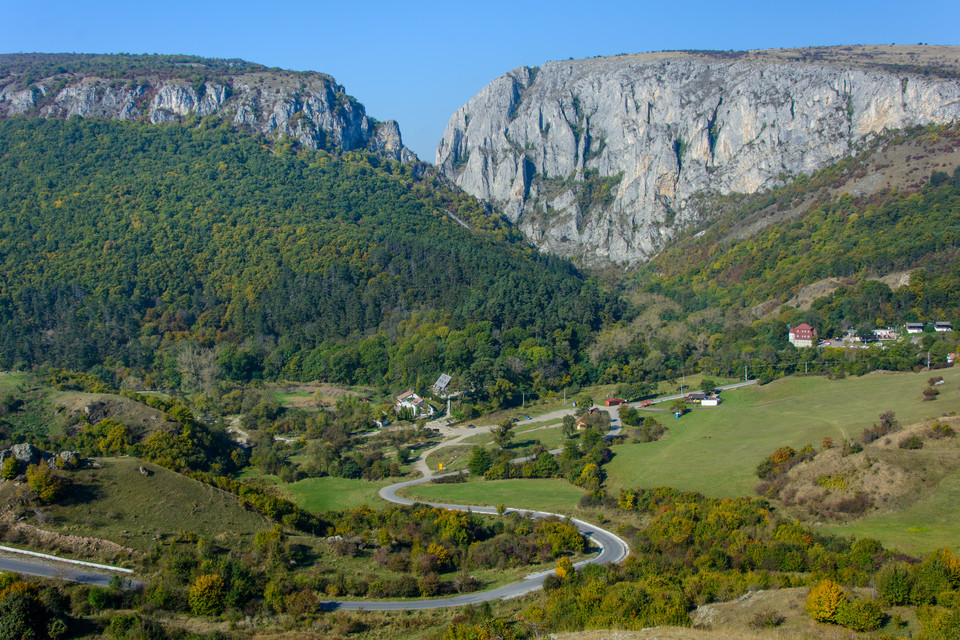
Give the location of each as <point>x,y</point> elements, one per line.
<point>206,595</point>
<point>930,394</point>
<point>767,619</point>
<point>856,504</point>
<point>913,442</point>
<point>48,486</point>
<point>10,469</point>
<point>824,600</point>
<point>939,430</point>
<point>893,583</point>
<point>21,616</point>
<point>861,615</point>
<point>565,568</point>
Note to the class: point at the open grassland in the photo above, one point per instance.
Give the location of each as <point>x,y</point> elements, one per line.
<point>716,450</point>
<point>117,503</point>
<point>553,495</point>
<point>335,494</point>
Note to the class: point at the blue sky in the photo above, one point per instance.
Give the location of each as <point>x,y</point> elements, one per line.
<point>417,62</point>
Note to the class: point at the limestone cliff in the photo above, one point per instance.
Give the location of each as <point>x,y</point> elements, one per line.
<point>604,159</point>
<point>306,106</point>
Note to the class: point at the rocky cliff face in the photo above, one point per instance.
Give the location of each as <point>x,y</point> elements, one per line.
<point>604,159</point>
<point>309,107</point>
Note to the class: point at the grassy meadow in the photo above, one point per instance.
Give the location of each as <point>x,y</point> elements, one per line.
<point>335,494</point>
<point>554,495</point>
<point>716,450</point>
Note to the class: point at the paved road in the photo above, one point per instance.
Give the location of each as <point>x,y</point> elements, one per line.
<point>36,567</point>
<point>612,550</point>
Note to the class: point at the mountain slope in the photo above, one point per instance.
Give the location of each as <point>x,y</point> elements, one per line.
<point>604,159</point>
<point>120,240</point>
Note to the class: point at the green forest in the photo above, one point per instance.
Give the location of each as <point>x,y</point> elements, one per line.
<point>128,240</point>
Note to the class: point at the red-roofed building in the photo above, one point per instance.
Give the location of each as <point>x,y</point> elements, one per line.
<point>803,335</point>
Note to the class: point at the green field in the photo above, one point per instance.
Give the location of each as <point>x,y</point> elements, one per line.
<point>335,494</point>
<point>716,450</point>
<point>554,495</point>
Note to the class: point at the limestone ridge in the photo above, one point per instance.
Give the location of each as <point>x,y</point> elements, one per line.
<point>601,159</point>
<point>308,107</point>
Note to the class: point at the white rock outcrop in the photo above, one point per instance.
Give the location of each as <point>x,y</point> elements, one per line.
<point>309,107</point>
<point>600,159</point>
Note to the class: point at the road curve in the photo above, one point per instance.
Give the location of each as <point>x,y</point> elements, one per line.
<point>612,550</point>
<point>34,567</point>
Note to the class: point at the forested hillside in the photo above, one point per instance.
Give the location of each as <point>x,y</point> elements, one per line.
<point>120,242</point>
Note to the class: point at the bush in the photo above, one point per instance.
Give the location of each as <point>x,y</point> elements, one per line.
<point>939,430</point>
<point>913,442</point>
<point>767,619</point>
<point>861,615</point>
<point>824,600</point>
<point>48,486</point>
<point>206,595</point>
<point>10,469</point>
<point>21,616</point>
<point>893,583</point>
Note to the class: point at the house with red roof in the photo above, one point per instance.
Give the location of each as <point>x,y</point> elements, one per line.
<point>803,335</point>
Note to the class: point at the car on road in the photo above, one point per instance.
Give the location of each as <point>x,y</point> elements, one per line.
<point>470,426</point>
<point>528,417</point>
<point>516,419</point>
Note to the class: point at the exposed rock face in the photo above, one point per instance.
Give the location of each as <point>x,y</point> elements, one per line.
<point>602,159</point>
<point>309,107</point>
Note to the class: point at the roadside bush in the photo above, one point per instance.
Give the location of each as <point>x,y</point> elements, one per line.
<point>22,616</point>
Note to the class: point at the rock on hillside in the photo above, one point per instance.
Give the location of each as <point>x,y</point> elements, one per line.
<point>605,158</point>
<point>306,106</point>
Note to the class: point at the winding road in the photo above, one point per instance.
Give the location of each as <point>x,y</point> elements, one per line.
<point>613,549</point>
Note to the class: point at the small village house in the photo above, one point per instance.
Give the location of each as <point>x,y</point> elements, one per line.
<point>413,402</point>
<point>802,335</point>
